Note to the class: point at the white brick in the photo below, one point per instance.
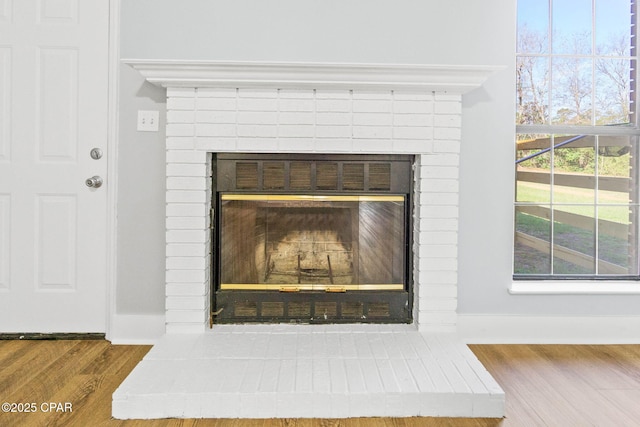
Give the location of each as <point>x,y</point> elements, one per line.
<point>258,93</point>
<point>296,118</point>
<point>181,104</point>
<point>438,237</point>
<point>215,144</point>
<point>413,107</point>
<point>447,120</point>
<point>439,185</point>
<point>187,236</point>
<point>258,131</point>
<point>422,133</point>
<point>181,92</point>
<point>181,196</point>
<point>185,276</point>
<point>174,116</point>
<point>296,131</point>
<point>182,183</point>
<point>257,104</point>
<point>186,169</point>
<point>413,120</point>
<point>438,291</point>
<point>185,316</point>
<point>333,105</point>
<point>447,133</point>
<point>412,146</point>
<point>187,223</point>
<point>257,117</point>
<point>256,144</point>
<point>412,96</point>
<point>371,106</point>
<point>186,263</point>
<point>441,224</point>
<point>439,251</point>
<point>217,92</point>
<point>372,119</point>
<point>216,117</point>
<point>186,249</point>
<point>363,94</point>
<point>372,132</point>
<point>438,304</point>
<point>328,118</point>
<point>339,145</point>
<point>444,96</point>
<point>180,142</point>
<point>186,289</point>
<point>180,129</point>
<point>440,160</point>
<point>181,156</point>
<point>442,172</point>
<point>186,209</point>
<point>327,131</point>
<point>446,146</point>
<point>371,145</point>
<point>451,199</point>
<point>219,104</point>
<point>296,93</point>
<point>300,145</point>
<point>448,108</point>
<point>296,105</point>
<point>332,94</point>
<point>430,211</point>
<point>185,303</point>
<point>217,130</point>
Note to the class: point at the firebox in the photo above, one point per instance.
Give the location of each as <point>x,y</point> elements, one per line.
<point>313,238</point>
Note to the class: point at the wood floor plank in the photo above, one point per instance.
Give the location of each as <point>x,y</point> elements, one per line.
<point>544,385</point>
<point>26,365</point>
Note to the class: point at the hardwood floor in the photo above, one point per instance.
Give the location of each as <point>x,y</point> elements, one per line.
<point>545,385</point>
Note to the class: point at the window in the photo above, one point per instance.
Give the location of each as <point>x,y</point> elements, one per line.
<point>577,156</point>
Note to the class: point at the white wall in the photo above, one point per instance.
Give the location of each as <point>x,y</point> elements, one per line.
<point>378,31</point>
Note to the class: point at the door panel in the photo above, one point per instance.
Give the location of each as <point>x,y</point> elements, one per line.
<point>53,111</point>
<point>5,239</point>
<point>58,107</point>
<point>5,98</point>
<point>56,240</point>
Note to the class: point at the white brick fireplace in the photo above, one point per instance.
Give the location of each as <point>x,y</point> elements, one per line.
<point>215,107</point>
<point>312,108</point>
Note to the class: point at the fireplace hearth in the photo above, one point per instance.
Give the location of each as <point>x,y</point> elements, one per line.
<point>312,238</point>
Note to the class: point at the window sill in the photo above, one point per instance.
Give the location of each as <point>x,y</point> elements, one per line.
<point>561,287</point>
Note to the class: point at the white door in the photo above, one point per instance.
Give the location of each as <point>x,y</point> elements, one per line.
<point>53,111</point>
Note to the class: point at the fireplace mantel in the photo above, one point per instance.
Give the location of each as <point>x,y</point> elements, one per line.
<point>457,79</point>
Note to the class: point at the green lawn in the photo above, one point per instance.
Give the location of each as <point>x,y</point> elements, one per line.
<point>577,200</point>
<point>580,202</point>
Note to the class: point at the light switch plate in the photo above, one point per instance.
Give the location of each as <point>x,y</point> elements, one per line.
<point>148,121</point>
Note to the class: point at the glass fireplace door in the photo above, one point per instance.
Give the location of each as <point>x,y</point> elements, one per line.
<point>331,243</point>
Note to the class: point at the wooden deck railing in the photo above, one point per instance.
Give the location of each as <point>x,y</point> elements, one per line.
<point>605,227</point>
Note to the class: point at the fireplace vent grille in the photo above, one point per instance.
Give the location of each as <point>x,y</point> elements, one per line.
<point>310,311</point>
<point>332,174</point>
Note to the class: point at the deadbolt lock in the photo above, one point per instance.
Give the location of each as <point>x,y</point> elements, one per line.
<point>96,154</point>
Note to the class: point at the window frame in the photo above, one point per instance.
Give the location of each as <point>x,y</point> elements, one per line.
<point>572,283</point>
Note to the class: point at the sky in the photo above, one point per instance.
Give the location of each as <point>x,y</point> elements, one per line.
<point>575,16</point>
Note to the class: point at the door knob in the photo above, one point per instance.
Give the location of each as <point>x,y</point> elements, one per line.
<point>94,182</point>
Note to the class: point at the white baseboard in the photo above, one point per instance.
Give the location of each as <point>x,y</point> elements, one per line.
<point>136,328</point>
<point>508,329</point>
